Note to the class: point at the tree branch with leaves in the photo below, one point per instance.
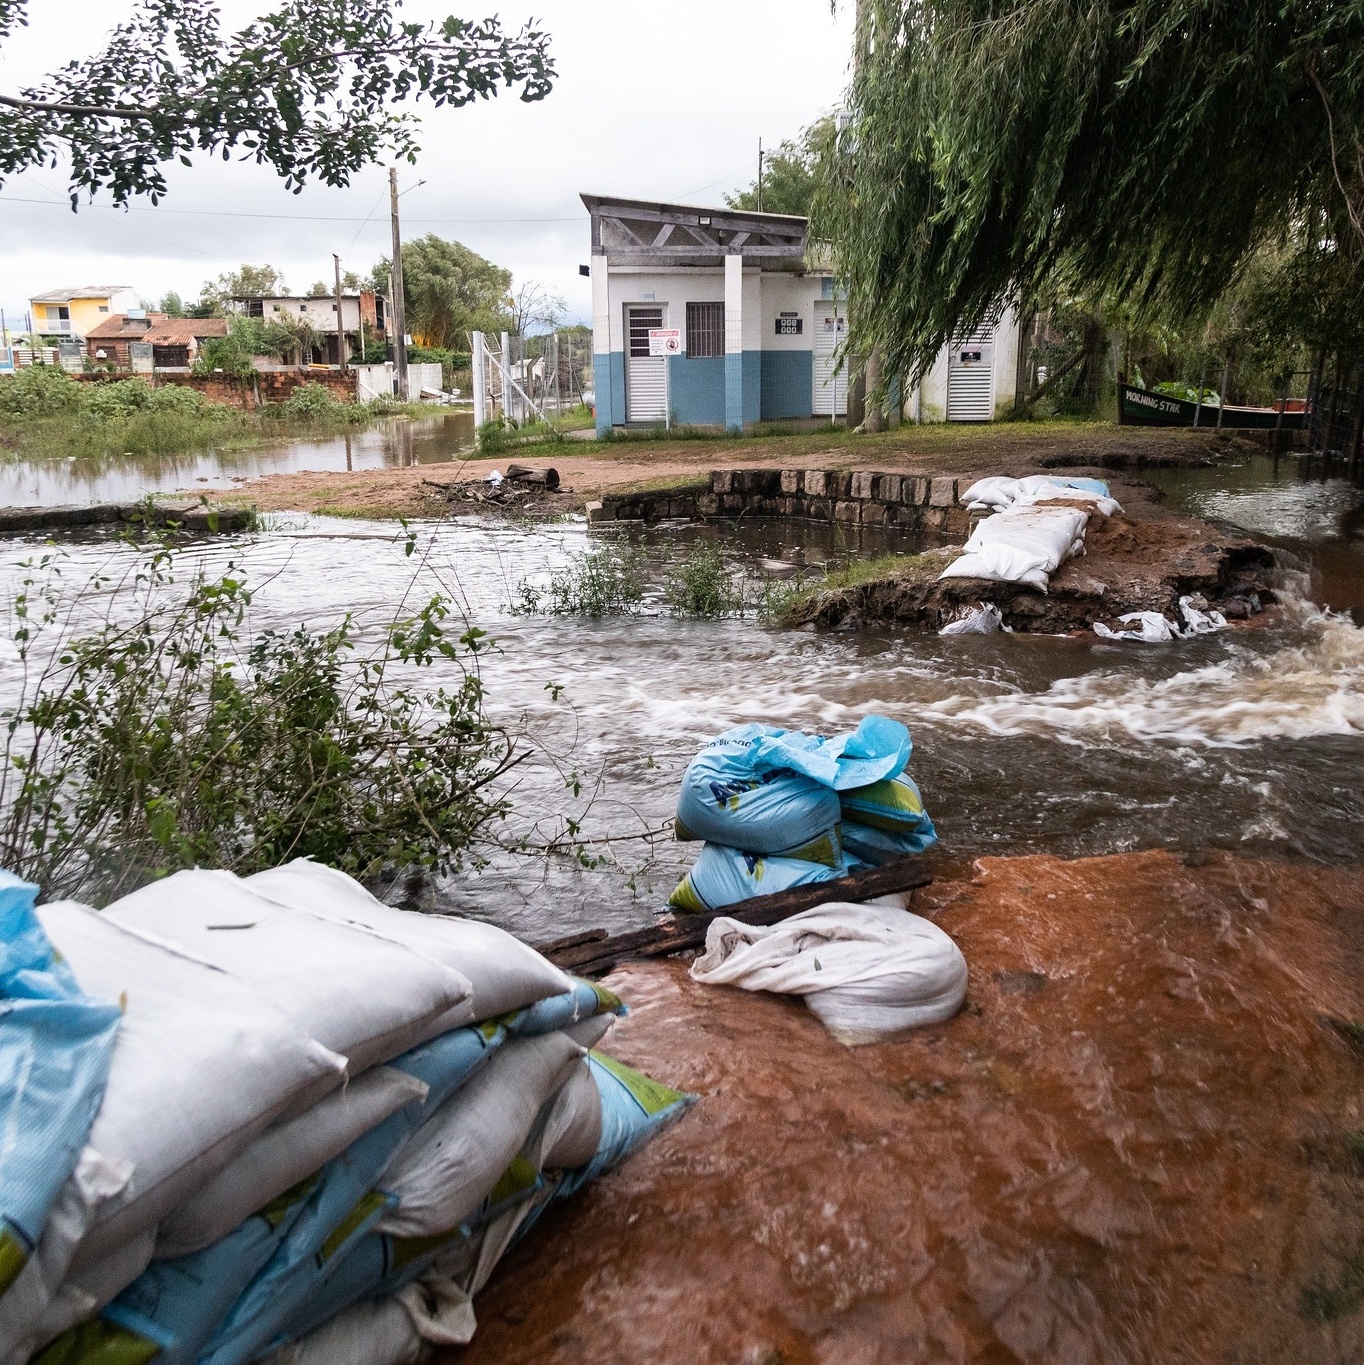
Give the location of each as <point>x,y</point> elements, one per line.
<point>306,89</point>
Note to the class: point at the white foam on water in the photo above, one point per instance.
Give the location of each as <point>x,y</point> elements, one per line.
<point>1311,688</point>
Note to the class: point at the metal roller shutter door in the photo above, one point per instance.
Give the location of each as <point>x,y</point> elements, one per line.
<point>971,377</point>
<point>646,377</point>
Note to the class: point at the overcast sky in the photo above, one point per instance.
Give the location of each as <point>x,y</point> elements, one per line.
<point>653,100</point>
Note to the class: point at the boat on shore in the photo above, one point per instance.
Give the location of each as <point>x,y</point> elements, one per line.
<point>1148,408</point>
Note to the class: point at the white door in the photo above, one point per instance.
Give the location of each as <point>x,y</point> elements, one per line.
<point>971,377</point>
<point>831,384</point>
<point>646,376</point>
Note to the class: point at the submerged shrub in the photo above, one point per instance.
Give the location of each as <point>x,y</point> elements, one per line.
<point>172,738</point>
<point>40,391</point>
<point>603,581</point>
<point>317,403</point>
<point>701,585</point>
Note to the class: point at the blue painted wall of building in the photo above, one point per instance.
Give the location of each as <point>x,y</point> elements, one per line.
<point>608,380</point>
<point>753,386</point>
<point>743,389</point>
<point>788,385</point>
<point>696,390</point>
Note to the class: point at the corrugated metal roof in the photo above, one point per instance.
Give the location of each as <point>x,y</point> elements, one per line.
<point>163,331</point>
<point>85,291</point>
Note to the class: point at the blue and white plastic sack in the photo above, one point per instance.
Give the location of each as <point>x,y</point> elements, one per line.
<point>723,876</point>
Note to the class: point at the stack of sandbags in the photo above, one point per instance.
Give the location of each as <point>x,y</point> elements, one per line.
<point>322,1122</point>
<point>780,808</point>
<point>1035,529</point>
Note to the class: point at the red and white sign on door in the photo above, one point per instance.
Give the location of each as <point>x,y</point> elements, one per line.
<point>665,341</point>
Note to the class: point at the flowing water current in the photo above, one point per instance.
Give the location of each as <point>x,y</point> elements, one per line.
<point>1251,739</point>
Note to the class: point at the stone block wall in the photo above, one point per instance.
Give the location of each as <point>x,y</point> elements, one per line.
<point>856,498</point>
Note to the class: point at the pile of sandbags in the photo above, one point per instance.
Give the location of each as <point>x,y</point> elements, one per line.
<point>1035,528</point>
<point>779,809</point>
<point>277,1119</point>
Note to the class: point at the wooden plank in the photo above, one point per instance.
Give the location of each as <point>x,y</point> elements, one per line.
<point>594,953</point>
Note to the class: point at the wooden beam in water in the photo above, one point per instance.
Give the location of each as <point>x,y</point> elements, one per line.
<point>594,952</point>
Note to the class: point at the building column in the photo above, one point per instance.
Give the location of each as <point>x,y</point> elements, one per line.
<point>601,346</point>
<point>734,343</point>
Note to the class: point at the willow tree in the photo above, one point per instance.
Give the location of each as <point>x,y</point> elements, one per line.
<point>1141,151</point>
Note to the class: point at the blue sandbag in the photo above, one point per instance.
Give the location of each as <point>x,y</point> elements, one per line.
<point>585,1001</point>
<point>895,805</point>
<point>721,876</point>
<point>223,1303</point>
<point>878,846</point>
<point>726,800</point>
<point>877,749</point>
<point>56,1044</point>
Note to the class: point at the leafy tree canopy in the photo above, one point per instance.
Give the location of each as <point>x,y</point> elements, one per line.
<point>246,282</point>
<point>1140,150</point>
<point>790,174</point>
<point>305,89</point>
<point>449,291</point>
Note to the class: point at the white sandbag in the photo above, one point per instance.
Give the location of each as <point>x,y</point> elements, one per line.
<point>1022,545</point>
<point>201,1066</point>
<point>998,493</point>
<point>372,1332</point>
<point>1197,621</point>
<point>456,1158</point>
<point>83,1294</point>
<point>283,1155</point>
<point>367,997</point>
<point>570,1126</point>
<point>506,974</point>
<point>587,1033</point>
<point>865,970</point>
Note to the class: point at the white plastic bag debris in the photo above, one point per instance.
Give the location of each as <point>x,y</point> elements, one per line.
<point>865,970</point>
<point>987,619</point>
<point>1149,627</point>
<point>283,1155</point>
<point>1025,544</point>
<point>392,998</point>
<point>456,1158</point>
<point>1197,621</point>
<point>506,973</point>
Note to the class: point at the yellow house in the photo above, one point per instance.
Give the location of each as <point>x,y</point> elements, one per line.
<point>75,313</point>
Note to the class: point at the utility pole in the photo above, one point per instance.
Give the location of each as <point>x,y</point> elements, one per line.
<point>396,287</point>
<point>340,324</point>
<point>760,175</point>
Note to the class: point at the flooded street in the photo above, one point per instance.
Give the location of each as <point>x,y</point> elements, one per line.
<point>389,443</point>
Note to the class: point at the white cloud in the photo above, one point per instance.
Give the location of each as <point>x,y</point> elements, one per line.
<point>652,100</point>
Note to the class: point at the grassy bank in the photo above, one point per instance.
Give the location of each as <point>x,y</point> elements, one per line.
<point>45,414</point>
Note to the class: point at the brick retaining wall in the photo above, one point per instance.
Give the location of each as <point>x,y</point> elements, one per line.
<point>273,386</point>
<point>857,498</point>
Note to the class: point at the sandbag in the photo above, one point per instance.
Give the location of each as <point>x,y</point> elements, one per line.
<point>585,1001</point>
<point>876,847</point>
<point>895,805</point>
<point>453,1163</point>
<point>865,970</point>
<point>373,1332</point>
<point>569,1132</point>
<point>877,749</point>
<point>1024,544</point>
<point>998,493</point>
<point>725,799</point>
<point>722,876</point>
<point>201,1066</point>
<point>364,996</point>
<point>56,1046</point>
<point>284,1155</point>
<point>986,619</point>
<point>341,1207</point>
<point>506,974</point>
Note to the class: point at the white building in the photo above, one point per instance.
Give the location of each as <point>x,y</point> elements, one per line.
<point>758,326</point>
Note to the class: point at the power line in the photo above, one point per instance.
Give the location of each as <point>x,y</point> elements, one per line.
<point>279,217</point>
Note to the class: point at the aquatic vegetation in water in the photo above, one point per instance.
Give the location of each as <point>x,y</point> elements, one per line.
<point>703,585</point>
<point>603,581</point>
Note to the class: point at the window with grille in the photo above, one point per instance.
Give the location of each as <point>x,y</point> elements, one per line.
<point>705,330</point>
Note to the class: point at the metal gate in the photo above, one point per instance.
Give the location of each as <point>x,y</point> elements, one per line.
<point>971,377</point>
<point>646,376</point>
<point>831,384</point>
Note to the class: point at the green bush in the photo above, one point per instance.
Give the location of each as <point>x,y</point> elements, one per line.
<point>167,738</point>
<point>40,391</point>
<point>317,403</point>
<point>603,581</point>
<point>702,585</point>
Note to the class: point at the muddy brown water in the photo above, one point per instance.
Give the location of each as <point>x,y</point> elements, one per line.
<point>1141,1140</point>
